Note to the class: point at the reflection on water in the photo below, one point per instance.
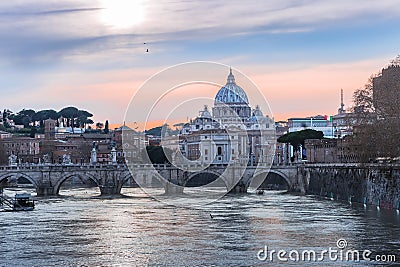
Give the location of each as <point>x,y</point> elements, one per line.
<point>81,229</point>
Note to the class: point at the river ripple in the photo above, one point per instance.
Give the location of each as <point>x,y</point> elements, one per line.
<point>80,229</point>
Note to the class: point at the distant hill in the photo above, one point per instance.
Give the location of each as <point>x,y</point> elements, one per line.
<point>156,131</point>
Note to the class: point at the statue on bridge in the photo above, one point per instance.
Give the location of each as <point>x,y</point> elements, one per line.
<point>93,155</point>
<point>66,160</point>
<point>46,159</point>
<point>113,156</point>
<point>12,160</point>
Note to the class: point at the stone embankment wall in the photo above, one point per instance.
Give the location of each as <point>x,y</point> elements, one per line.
<point>372,184</point>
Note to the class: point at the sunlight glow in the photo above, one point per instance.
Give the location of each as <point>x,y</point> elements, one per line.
<point>122,14</point>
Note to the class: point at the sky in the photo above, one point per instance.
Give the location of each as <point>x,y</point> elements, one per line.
<point>92,54</point>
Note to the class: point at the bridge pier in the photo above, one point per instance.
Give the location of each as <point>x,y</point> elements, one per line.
<point>171,189</point>
<point>240,188</point>
<point>109,190</point>
<point>43,191</point>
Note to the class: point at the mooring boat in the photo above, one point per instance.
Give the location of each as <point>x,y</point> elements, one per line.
<point>260,192</point>
<point>21,202</point>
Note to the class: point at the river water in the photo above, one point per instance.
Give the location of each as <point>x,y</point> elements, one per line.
<point>80,229</point>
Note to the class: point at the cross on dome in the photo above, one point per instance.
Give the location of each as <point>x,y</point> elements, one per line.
<point>231,78</point>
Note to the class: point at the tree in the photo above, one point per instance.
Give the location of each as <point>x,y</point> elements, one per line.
<point>395,62</point>
<point>83,118</point>
<point>377,107</point>
<point>297,138</point>
<point>7,115</point>
<point>24,117</point>
<point>43,115</point>
<point>89,122</point>
<point>106,129</point>
<point>81,121</point>
<point>99,126</point>
<point>363,98</point>
<point>69,113</point>
<point>75,117</point>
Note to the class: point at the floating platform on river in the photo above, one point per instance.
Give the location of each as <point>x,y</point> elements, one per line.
<point>21,202</point>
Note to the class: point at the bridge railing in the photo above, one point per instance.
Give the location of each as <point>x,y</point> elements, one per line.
<point>99,166</point>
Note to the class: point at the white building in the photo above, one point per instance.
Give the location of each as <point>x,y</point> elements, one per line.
<point>317,123</point>
<point>233,133</point>
<point>4,135</point>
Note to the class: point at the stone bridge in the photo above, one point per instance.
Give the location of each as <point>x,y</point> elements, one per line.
<point>377,184</point>
<point>47,179</point>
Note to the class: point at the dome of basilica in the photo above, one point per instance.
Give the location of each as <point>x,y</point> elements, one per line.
<point>231,93</point>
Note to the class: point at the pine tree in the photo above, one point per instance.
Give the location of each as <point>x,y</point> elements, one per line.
<point>106,129</point>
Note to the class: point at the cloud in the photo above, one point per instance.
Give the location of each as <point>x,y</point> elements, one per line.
<point>62,50</point>
<point>63,30</point>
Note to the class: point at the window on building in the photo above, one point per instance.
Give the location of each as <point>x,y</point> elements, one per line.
<point>233,151</point>
<point>219,150</point>
<point>205,151</point>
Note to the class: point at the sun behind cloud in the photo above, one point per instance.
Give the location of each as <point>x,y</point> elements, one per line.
<point>122,14</point>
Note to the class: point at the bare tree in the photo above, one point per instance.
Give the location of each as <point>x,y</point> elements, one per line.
<point>377,107</point>
<point>395,61</point>
<point>363,97</point>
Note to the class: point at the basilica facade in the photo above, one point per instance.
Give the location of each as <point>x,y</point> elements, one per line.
<point>233,133</point>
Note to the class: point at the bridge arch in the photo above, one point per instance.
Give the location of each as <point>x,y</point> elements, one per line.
<point>83,177</point>
<point>18,175</point>
<point>274,173</point>
<point>191,182</point>
<point>126,176</point>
